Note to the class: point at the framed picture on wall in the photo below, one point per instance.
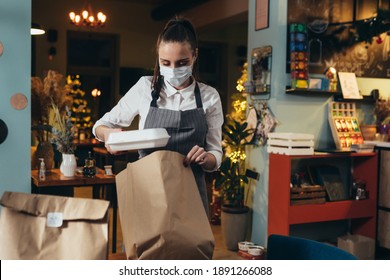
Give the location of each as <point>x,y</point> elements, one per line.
<point>262,14</point>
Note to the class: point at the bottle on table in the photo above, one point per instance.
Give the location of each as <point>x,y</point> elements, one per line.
<point>89,169</point>
<point>42,170</point>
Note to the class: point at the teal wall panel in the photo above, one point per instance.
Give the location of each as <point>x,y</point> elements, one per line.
<point>15,72</point>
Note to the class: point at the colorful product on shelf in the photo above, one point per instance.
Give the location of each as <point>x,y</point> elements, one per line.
<point>331,76</point>
<point>344,125</point>
<point>299,69</point>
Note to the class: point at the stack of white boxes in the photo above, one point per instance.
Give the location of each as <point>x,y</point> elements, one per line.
<point>289,143</point>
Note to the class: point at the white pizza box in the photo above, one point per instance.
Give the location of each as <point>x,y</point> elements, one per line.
<point>290,150</point>
<point>138,139</point>
<point>290,143</point>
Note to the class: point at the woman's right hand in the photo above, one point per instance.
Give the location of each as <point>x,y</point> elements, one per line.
<point>103,132</point>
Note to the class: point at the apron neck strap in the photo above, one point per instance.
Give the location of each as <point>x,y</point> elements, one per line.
<point>197,97</point>
<point>155,96</point>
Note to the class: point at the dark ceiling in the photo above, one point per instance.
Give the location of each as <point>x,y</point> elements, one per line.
<point>165,9</point>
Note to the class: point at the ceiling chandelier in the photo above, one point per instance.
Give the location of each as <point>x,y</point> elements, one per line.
<point>87,17</point>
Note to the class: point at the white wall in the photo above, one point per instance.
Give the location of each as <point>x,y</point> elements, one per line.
<point>368,84</point>
<point>301,114</point>
<point>15,22</point>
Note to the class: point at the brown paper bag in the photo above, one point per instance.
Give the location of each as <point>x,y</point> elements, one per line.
<point>161,212</point>
<point>43,227</point>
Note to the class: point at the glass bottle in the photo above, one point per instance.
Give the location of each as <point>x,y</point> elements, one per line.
<point>42,170</point>
<point>89,169</point>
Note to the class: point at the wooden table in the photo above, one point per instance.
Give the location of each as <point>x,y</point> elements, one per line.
<point>82,149</point>
<point>57,184</point>
<point>118,161</point>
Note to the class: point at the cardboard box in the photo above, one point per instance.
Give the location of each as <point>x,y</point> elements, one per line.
<point>358,245</point>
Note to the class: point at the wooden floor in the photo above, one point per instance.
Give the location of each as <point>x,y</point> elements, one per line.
<point>220,251</point>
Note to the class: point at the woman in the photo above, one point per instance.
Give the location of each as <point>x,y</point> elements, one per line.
<point>190,111</point>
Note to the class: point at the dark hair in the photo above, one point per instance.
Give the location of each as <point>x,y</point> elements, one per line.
<point>179,30</point>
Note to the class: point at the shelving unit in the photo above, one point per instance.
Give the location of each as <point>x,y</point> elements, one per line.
<point>362,213</point>
<point>383,207</point>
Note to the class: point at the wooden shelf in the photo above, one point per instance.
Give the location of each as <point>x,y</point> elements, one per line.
<point>310,92</point>
<point>365,99</point>
<point>334,155</point>
<point>331,211</point>
<point>337,95</point>
<point>361,213</point>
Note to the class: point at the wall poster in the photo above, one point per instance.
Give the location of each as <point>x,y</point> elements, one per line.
<point>332,36</point>
<point>262,14</point>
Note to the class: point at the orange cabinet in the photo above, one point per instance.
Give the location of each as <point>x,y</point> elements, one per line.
<point>361,213</point>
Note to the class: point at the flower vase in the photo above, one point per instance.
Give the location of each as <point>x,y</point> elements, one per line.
<point>68,165</point>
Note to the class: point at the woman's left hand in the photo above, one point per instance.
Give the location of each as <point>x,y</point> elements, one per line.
<point>199,156</point>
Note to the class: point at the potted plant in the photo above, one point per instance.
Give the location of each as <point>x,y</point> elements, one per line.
<point>53,88</point>
<point>62,137</point>
<point>231,180</point>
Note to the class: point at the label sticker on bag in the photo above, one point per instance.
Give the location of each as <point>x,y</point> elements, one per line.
<point>54,219</point>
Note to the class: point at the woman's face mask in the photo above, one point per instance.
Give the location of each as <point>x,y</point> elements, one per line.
<point>176,76</point>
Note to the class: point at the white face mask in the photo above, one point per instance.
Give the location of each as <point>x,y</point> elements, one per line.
<point>176,76</point>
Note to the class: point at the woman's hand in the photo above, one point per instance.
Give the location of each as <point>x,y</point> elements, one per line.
<point>199,156</point>
<point>103,132</point>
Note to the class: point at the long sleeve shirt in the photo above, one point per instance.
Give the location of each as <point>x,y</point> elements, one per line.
<point>137,102</point>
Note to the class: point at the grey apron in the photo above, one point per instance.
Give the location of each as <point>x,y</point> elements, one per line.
<point>186,128</point>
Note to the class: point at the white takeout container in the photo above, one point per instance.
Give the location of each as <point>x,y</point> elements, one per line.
<point>138,139</point>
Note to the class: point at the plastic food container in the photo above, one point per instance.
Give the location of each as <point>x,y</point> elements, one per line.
<point>138,139</point>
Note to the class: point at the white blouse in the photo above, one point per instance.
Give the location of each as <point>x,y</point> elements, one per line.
<point>137,102</point>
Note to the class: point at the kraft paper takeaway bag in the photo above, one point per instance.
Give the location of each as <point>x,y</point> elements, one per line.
<point>161,212</point>
<point>46,227</point>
